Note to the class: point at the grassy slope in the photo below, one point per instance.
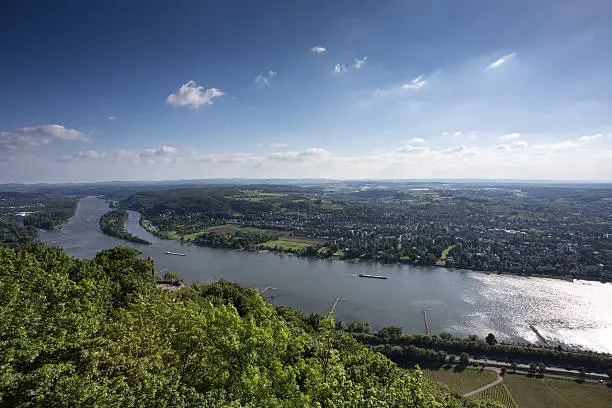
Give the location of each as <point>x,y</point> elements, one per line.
<point>498,393</point>
<point>462,382</point>
<point>532,393</point>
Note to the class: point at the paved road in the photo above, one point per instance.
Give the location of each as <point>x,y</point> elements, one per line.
<point>550,371</point>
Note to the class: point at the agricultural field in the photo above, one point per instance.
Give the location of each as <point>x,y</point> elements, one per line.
<point>532,393</point>
<point>499,393</point>
<point>288,243</point>
<point>461,382</point>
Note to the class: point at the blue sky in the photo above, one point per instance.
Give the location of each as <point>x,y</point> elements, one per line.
<point>158,90</point>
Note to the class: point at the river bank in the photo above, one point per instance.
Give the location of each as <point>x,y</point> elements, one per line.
<point>459,301</point>
<point>146,225</point>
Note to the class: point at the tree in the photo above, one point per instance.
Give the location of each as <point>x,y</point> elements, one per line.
<point>514,366</point>
<point>97,333</point>
<point>446,336</point>
<point>541,369</point>
<point>532,369</point>
<point>464,359</point>
<point>390,333</point>
<point>503,371</point>
<point>582,373</point>
<point>451,359</point>
<point>490,339</point>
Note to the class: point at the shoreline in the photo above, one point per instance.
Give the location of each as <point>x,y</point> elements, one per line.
<point>146,225</point>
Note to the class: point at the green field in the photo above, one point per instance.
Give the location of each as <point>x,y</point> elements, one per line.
<point>532,393</point>
<point>498,393</point>
<point>442,260</point>
<point>464,381</point>
<point>287,243</point>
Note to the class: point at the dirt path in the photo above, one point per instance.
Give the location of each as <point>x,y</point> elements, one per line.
<point>494,383</point>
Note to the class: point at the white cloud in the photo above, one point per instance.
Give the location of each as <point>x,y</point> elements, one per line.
<point>340,68</point>
<point>572,158</point>
<point>151,155</point>
<point>358,63</point>
<point>416,83</point>
<point>457,133</point>
<point>412,149</point>
<point>462,150</point>
<point>514,146</point>
<point>318,49</point>
<point>265,79</point>
<point>511,136</point>
<point>111,117</point>
<point>315,151</point>
<point>33,136</point>
<point>279,145</point>
<point>589,138</point>
<point>417,140</point>
<point>501,61</point>
<point>190,94</point>
<point>296,156</point>
<point>579,144</point>
<point>229,158</point>
<point>90,154</point>
<point>164,151</point>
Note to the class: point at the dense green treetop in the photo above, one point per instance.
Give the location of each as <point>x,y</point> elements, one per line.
<point>98,333</point>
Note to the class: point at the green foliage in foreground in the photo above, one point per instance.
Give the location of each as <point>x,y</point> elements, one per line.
<point>97,333</point>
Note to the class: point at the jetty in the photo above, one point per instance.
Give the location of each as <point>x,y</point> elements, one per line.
<point>365,275</point>
<point>542,339</point>
<point>333,306</point>
<point>426,320</point>
<point>174,253</point>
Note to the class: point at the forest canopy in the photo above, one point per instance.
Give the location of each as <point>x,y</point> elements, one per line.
<point>98,333</point>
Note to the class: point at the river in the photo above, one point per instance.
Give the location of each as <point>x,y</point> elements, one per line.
<point>463,302</point>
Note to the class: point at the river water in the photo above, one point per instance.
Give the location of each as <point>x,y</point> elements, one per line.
<point>463,302</point>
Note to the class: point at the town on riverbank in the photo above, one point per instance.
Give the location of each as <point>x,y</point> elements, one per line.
<point>549,231</point>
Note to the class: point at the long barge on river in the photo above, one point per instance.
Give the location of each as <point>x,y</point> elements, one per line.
<point>174,253</point>
<point>365,275</point>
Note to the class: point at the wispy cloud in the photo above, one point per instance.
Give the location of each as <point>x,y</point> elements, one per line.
<point>358,63</point>
<point>33,136</point>
<point>511,136</point>
<point>416,83</point>
<point>417,140</point>
<point>265,79</point>
<point>339,68</point>
<point>318,49</point>
<point>501,61</point>
<point>192,95</point>
<point>279,145</point>
<point>296,156</point>
<point>111,117</point>
<point>151,155</point>
<point>514,146</point>
<point>412,149</point>
<point>163,151</point>
<point>589,138</point>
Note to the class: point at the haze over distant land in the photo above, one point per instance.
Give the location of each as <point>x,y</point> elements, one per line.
<point>320,90</point>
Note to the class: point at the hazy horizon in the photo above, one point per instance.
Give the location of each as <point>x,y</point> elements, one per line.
<point>339,90</point>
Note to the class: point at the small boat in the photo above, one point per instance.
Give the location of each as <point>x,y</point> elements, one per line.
<point>174,253</point>
<point>363,275</point>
